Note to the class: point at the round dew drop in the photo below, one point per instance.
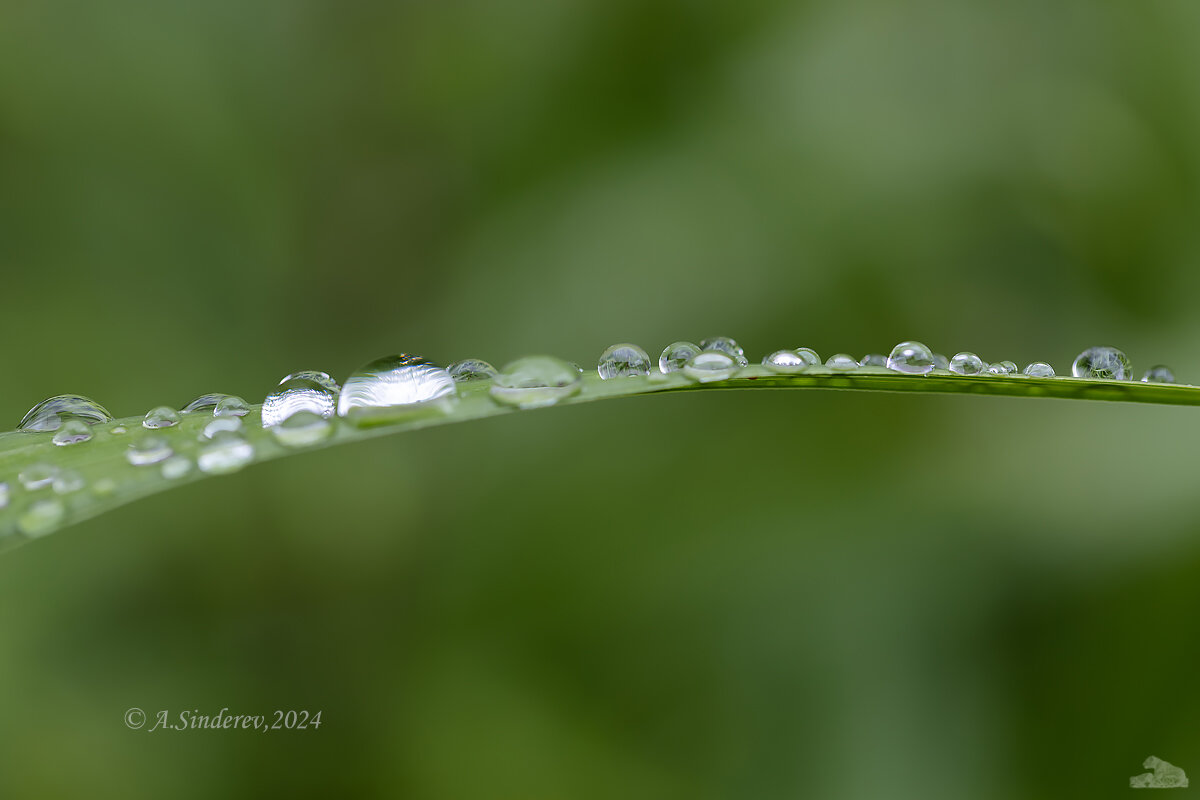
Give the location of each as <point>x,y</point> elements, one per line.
<point>471,369</point>
<point>841,361</point>
<point>940,361</point>
<point>37,476</point>
<point>72,431</point>
<point>231,406</point>
<point>723,344</point>
<point>310,391</point>
<point>205,402</point>
<point>1002,368</point>
<point>176,467</point>
<point>710,365</point>
<point>1159,374</point>
<point>227,452</point>
<point>391,381</point>
<point>68,481</point>
<point>50,414</point>
<point>966,364</point>
<point>535,382</point>
<point>148,450</point>
<point>873,360</point>
<point>785,361</point>
<point>160,417</point>
<point>675,356</point>
<point>220,425</point>
<point>1038,369</point>
<point>302,429</point>
<point>623,361</point>
<point>1105,363</point>
<point>41,517</point>
<point>913,358</point>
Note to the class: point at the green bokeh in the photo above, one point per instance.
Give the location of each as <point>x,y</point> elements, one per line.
<point>727,596</point>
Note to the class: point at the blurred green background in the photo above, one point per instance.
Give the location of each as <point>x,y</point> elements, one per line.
<point>758,595</point>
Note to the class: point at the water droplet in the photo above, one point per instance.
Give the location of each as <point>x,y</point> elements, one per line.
<point>104,487</point>
<point>786,361</point>
<point>49,414</point>
<point>119,430</point>
<point>314,392</point>
<point>623,361</point>
<point>841,361</point>
<point>221,425</point>
<point>1159,374</point>
<point>37,476</point>
<point>710,365</point>
<point>231,406</point>
<point>395,381</point>
<point>1107,363</point>
<point>966,364</point>
<point>205,402</point>
<point>1002,368</point>
<point>723,344</point>
<point>911,357</point>
<point>228,452</point>
<point>940,361</point>
<point>302,429</point>
<point>536,381</point>
<point>873,360</point>
<point>161,417</point>
<point>471,369</point>
<point>675,356</point>
<point>41,517</point>
<point>176,467</point>
<point>67,481</point>
<point>72,431</point>
<point>148,450</point>
<point>4,495</point>
<point>1039,369</point>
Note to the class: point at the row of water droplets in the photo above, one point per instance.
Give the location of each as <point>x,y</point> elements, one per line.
<point>302,410</point>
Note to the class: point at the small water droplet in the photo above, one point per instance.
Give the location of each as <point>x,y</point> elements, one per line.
<point>873,360</point>
<point>41,517</point>
<point>176,467</point>
<point>67,481</point>
<point>119,430</point>
<point>676,355</point>
<point>471,369</point>
<point>536,381</point>
<point>205,402</point>
<point>302,429</point>
<point>161,417</point>
<point>314,392</point>
<point>221,425</point>
<point>1159,374</point>
<point>1002,368</point>
<point>841,361</point>
<point>710,365</point>
<point>1106,363</point>
<point>4,495</point>
<point>785,361</point>
<point>37,476</point>
<point>723,344</point>
<point>228,452</point>
<point>911,357</point>
<point>940,361</point>
<point>49,414</point>
<point>623,361</point>
<point>72,431</point>
<point>966,364</point>
<point>1038,369</point>
<point>395,381</point>
<point>148,450</point>
<point>231,406</point>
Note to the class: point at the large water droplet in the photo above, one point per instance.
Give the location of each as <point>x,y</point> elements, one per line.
<point>1002,368</point>
<point>161,417</point>
<point>72,431</point>
<point>49,414</point>
<point>723,344</point>
<point>1159,374</point>
<point>37,476</point>
<point>676,355</point>
<point>1107,363</point>
<point>623,361</point>
<point>302,429</point>
<point>228,452</point>
<point>231,406</point>
<point>471,369</point>
<point>536,381</point>
<point>205,402</point>
<point>1039,369</point>
<point>710,365</point>
<point>395,381</point>
<point>873,360</point>
<point>842,362</point>
<point>911,357</point>
<point>148,450</point>
<point>311,391</point>
<point>785,361</point>
<point>966,364</point>
<point>41,517</point>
